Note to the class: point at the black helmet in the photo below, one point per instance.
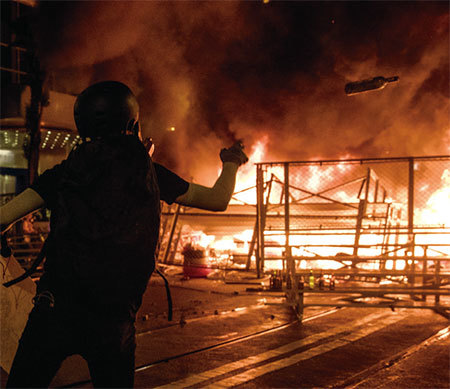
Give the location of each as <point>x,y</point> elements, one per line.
<point>106,108</point>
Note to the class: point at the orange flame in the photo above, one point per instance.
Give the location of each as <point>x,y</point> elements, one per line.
<point>328,249</point>
<point>437,210</point>
<point>245,190</point>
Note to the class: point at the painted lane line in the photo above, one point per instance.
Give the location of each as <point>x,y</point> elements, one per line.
<point>361,378</point>
<point>232,314</point>
<point>237,340</point>
<point>256,372</point>
<point>229,367</point>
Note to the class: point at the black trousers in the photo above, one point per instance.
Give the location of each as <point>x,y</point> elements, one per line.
<point>51,335</point>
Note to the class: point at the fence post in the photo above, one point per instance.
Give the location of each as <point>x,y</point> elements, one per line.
<point>361,213</point>
<point>437,279</point>
<point>411,201</point>
<point>424,270</point>
<point>287,248</point>
<point>259,219</point>
<point>268,188</point>
<point>251,249</point>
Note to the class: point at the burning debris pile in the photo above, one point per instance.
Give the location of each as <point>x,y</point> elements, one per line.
<point>369,214</point>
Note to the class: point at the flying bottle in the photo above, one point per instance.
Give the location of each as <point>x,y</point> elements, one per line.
<point>376,83</point>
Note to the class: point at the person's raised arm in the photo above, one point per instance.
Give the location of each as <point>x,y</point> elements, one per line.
<point>20,206</point>
<point>218,196</point>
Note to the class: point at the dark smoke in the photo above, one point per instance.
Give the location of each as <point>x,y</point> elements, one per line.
<point>220,71</point>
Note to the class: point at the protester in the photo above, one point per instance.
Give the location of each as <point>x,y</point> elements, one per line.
<point>105,212</point>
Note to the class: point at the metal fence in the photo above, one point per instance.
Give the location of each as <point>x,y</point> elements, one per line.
<point>357,219</point>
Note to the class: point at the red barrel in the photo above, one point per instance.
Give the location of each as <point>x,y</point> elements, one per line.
<point>195,264</point>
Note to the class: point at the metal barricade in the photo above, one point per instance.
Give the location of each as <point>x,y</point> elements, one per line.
<point>358,220</point>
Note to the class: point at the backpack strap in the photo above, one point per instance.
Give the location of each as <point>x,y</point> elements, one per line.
<point>169,297</point>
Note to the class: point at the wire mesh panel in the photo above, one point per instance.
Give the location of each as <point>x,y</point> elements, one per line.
<point>432,192</point>
<point>334,213</point>
<point>383,220</point>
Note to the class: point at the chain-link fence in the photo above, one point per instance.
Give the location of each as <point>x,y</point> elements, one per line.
<point>382,214</point>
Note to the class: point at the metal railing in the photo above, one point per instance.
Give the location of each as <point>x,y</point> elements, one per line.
<point>382,219</point>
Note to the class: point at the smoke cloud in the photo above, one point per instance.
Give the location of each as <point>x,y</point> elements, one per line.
<point>221,71</point>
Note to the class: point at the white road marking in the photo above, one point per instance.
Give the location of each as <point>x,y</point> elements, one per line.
<point>233,313</point>
<point>229,367</point>
<point>251,374</point>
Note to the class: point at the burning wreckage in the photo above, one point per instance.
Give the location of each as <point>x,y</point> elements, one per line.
<point>372,214</point>
<point>383,220</point>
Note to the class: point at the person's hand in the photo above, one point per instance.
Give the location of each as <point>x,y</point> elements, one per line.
<point>234,154</point>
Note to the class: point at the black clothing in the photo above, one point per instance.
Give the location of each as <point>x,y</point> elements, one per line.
<point>51,335</point>
<point>105,222</point>
<point>170,184</point>
<point>104,227</point>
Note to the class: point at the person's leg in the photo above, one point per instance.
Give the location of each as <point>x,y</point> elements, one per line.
<point>110,354</point>
<point>40,352</point>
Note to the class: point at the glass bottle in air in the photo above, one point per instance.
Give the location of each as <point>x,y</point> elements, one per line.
<point>376,83</point>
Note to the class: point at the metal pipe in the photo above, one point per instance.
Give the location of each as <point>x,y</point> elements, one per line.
<point>361,214</point>
<point>259,213</point>
<point>411,196</point>
<point>20,72</point>
<point>357,160</point>
<point>172,231</point>
<point>287,248</point>
<point>255,230</point>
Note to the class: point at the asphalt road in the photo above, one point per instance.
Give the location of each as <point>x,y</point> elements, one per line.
<point>222,336</point>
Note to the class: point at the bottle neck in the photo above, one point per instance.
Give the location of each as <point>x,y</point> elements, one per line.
<point>392,79</point>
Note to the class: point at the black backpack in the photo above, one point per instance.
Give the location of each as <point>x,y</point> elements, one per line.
<point>104,224</point>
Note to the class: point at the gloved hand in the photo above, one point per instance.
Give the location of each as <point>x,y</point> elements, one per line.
<point>234,154</point>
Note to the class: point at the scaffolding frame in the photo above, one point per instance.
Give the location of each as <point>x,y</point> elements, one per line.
<point>373,205</point>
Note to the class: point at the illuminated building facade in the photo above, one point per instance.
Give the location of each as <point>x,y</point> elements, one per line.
<point>56,124</point>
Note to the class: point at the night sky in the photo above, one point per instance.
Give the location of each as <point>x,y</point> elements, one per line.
<point>218,71</point>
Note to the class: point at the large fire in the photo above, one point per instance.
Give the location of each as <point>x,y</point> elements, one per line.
<point>245,190</point>
<point>334,247</point>
<point>437,210</point>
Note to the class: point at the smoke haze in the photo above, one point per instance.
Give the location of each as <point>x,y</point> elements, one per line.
<point>220,71</point>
